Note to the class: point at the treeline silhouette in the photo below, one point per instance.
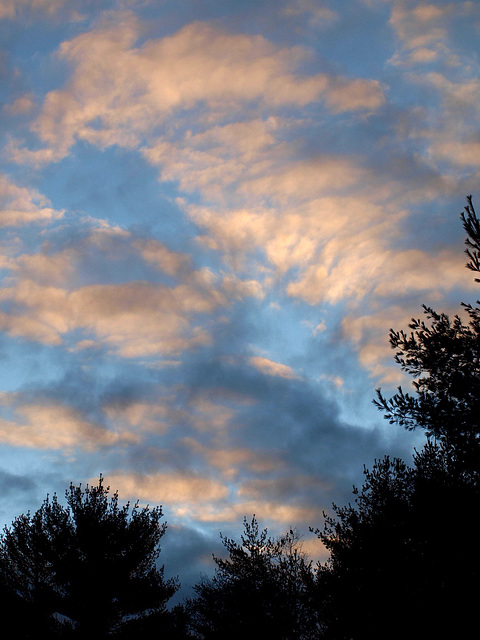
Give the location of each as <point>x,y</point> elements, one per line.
<point>404,556</point>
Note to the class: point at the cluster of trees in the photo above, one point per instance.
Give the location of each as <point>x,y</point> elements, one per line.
<point>404,557</point>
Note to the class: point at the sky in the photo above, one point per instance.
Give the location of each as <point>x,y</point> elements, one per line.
<point>211,214</point>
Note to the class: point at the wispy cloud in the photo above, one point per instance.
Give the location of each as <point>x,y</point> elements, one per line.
<point>174,489</point>
<point>422,30</point>
<point>22,205</point>
<point>56,426</point>
<point>130,91</point>
<point>12,8</point>
<point>272,368</point>
<point>134,319</point>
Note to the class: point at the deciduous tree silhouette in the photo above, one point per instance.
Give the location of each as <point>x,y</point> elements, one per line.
<point>261,590</point>
<point>88,569</point>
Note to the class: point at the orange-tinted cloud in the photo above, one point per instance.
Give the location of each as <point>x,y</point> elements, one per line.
<point>422,30</point>
<point>271,368</point>
<point>278,512</point>
<point>21,205</point>
<point>168,488</point>
<point>45,300</point>
<point>57,426</point>
<point>131,90</point>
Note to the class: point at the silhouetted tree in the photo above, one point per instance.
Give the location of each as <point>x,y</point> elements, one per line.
<point>261,590</point>
<point>88,569</point>
<point>443,356</point>
<point>404,559</point>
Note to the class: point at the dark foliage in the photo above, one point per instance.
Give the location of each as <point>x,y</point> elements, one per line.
<point>399,566</point>
<point>443,357</point>
<point>261,590</point>
<point>85,570</point>
<point>405,559</point>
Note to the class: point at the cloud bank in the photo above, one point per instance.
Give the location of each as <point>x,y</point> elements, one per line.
<point>211,216</point>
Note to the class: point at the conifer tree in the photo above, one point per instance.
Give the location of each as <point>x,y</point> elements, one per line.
<point>404,558</point>
<point>443,357</point>
<point>260,590</point>
<point>88,569</point>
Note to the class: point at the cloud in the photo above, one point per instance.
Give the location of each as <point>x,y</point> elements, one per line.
<point>459,153</point>
<point>285,488</point>
<point>48,300</point>
<point>235,460</point>
<point>163,258</point>
<point>22,205</point>
<point>369,333</point>
<point>30,328</point>
<point>13,483</point>
<point>449,141</point>
<point>21,105</point>
<point>143,416</point>
<point>17,9</point>
<point>326,222</point>
<point>314,549</point>
<point>277,512</point>
<point>133,319</point>
<point>460,96</point>
<point>318,16</point>
<point>118,93</point>
<point>305,224</point>
<point>221,157</point>
<point>7,9</point>
<point>187,551</point>
<point>269,171</point>
<point>352,95</point>
<point>168,488</point>
<point>210,415</point>
<point>371,268</point>
<point>423,30</point>
<point>45,269</point>
<point>271,368</point>
<point>289,208</point>
<point>414,271</point>
<point>208,344</point>
<point>57,426</point>
<point>426,35</point>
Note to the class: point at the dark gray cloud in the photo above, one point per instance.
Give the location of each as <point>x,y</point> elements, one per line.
<point>187,554</point>
<point>12,483</point>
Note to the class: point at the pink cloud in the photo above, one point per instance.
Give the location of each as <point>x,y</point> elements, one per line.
<point>21,205</point>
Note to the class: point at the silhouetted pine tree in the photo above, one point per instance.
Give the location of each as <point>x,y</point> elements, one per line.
<point>261,590</point>
<point>88,569</point>
<point>443,357</point>
<point>405,558</point>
